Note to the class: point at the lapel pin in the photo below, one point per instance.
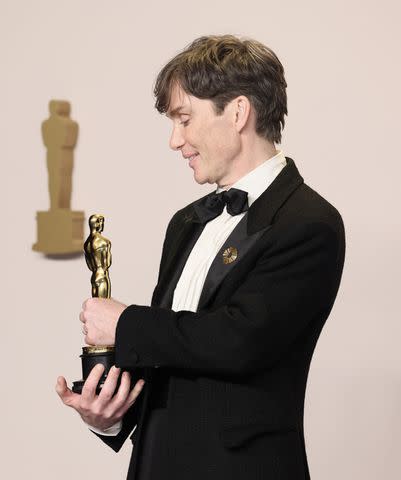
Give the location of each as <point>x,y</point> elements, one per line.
<point>229,255</point>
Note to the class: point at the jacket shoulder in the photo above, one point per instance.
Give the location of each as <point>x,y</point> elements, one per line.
<point>306,205</point>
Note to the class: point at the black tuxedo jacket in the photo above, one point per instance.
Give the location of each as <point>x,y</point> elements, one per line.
<point>238,367</point>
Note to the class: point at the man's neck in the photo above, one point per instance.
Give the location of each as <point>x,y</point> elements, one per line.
<point>247,162</point>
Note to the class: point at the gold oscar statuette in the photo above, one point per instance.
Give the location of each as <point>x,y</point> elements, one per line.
<point>97,250</point>
<point>60,230</point>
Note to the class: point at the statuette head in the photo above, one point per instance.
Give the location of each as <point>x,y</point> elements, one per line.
<point>96,222</point>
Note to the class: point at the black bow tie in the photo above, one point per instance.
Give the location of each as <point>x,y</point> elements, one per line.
<point>213,205</point>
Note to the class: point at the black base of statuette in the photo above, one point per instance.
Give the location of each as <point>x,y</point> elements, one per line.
<point>90,357</point>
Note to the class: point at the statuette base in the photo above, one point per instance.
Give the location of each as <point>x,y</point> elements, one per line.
<point>60,232</point>
<point>90,357</point>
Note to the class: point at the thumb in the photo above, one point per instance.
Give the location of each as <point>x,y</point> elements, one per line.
<point>67,396</point>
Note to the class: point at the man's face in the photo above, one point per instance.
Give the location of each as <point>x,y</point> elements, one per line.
<point>209,142</point>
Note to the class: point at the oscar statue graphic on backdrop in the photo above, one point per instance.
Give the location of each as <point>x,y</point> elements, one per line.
<point>60,230</point>
<point>97,250</point>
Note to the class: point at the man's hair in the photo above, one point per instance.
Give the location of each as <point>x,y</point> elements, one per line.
<point>222,67</point>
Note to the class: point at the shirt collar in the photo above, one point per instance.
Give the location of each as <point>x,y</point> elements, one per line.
<point>257,180</point>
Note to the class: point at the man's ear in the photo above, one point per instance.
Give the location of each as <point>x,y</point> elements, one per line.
<point>242,111</point>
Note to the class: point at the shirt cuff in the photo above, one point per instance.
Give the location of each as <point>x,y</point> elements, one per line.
<point>109,432</point>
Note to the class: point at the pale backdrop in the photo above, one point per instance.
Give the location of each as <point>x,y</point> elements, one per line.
<point>342,66</point>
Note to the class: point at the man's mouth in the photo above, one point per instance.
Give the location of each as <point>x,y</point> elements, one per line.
<point>192,159</point>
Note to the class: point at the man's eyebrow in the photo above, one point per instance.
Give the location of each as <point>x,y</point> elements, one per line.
<point>175,111</point>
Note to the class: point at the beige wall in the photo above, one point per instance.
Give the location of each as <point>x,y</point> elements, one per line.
<point>342,67</point>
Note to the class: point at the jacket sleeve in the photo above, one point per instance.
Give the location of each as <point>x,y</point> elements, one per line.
<point>293,284</point>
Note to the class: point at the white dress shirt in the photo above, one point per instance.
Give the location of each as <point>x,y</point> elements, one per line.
<point>189,287</point>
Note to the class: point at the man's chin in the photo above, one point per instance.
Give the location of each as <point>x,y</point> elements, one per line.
<point>199,179</point>
<point>202,179</point>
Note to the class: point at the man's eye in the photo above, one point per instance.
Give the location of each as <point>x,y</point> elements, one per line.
<point>184,122</point>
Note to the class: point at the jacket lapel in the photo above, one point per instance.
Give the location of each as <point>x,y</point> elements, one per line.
<point>253,225</point>
<point>234,248</point>
<point>264,208</point>
<point>184,239</point>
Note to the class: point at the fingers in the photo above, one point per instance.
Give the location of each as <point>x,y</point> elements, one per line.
<point>125,398</point>
<point>89,388</point>
<point>84,326</point>
<point>67,396</point>
<point>85,303</point>
<point>135,391</point>
<point>101,410</point>
<point>125,386</point>
<point>133,395</point>
<point>123,391</point>
<point>85,306</point>
<point>109,386</point>
<point>88,340</point>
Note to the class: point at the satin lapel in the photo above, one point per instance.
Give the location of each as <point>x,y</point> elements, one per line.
<point>186,239</point>
<point>252,226</point>
<point>235,248</point>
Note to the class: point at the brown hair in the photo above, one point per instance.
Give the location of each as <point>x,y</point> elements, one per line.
<point>220,68</point>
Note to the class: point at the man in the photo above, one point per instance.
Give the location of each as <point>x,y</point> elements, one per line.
<point>247,279</point>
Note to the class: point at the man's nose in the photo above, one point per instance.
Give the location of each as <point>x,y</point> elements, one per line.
<point>176,139</point>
